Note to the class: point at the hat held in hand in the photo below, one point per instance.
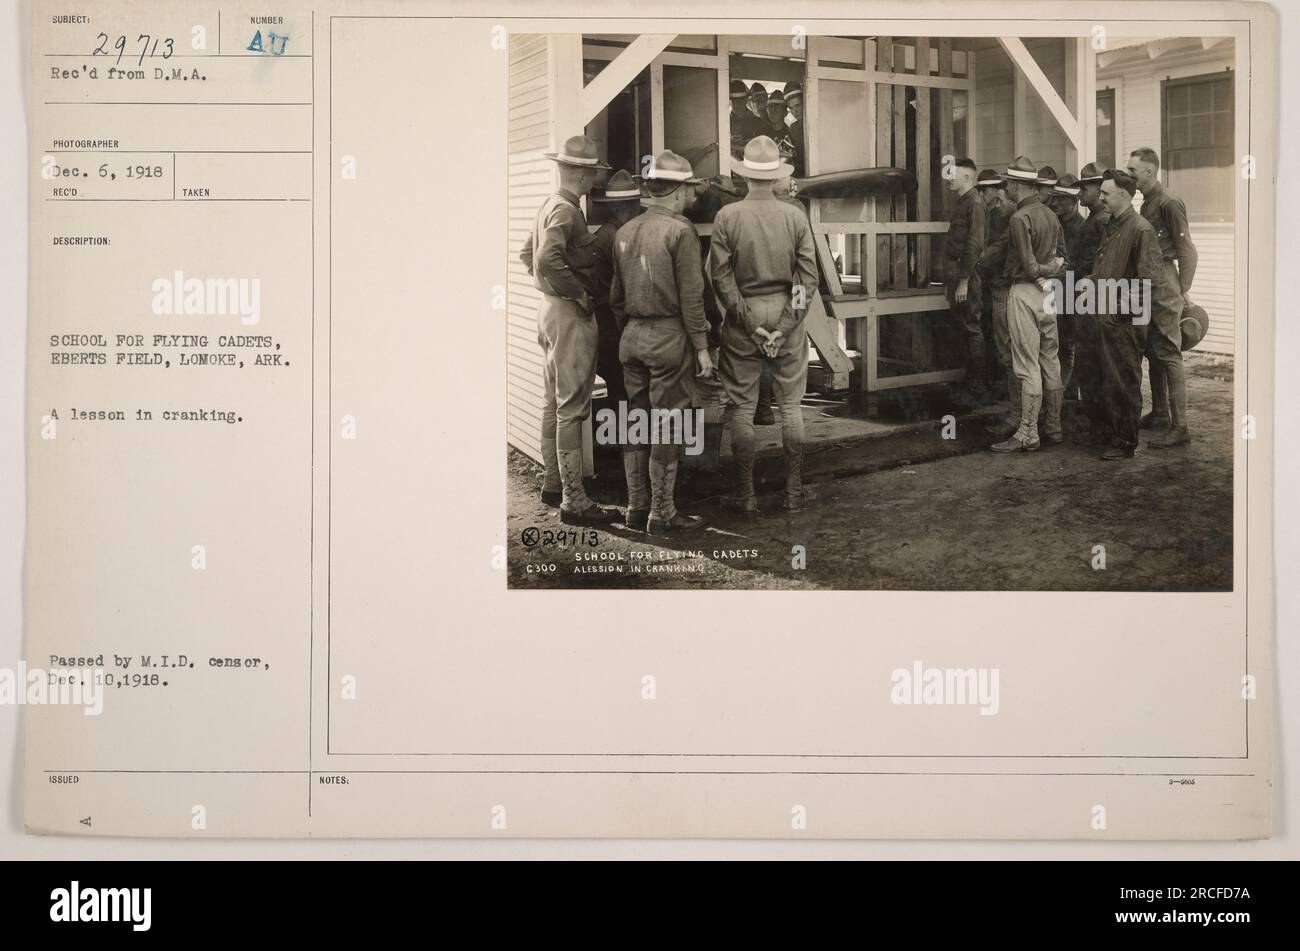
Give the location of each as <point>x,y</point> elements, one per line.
<point>1193,326</point>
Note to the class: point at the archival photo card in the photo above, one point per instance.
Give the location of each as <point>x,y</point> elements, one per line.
<point>807,420</point>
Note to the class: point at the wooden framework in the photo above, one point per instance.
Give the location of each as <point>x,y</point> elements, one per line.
<point>892,280</point>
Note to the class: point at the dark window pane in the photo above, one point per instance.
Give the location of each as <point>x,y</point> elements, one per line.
<point>1201,130</point>
<point>691,116</point>
<point>1177,103</point>
<point>1223,130</point>
<point>1106,128</point>
<point>1199,97</point>
<point>1180,133</point>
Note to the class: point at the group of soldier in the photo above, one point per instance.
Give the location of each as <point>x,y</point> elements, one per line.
<point>1015,241</point>
<point>777,114</point>
<point>630,300</point>
<point>636,288</point>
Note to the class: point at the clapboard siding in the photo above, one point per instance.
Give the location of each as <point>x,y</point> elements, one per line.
<point>530,181</point>
<point>1214,287</point>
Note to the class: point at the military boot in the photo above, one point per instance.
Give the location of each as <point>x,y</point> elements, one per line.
<point>1002,430</point>
<point>1052,401</point>
<point>743,500</point>
<point>636,466</point>
<point>577,509</point>
<point>664,518</point>
<point>1025,439</point>
<point>797,495</point>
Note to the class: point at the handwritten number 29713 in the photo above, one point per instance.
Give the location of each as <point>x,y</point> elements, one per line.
<point>149,46</point>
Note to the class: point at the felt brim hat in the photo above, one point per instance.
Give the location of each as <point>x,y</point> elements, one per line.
<point>762,160</point>
<point>620,187</point>
<point>1022,170</point>
<point>669,168</point>
<point>578,151</point>
<point>1091,174</point>
<point>1193,326</point>
<point>1066,185</point>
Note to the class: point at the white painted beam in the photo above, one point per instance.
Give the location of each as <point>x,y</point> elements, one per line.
<point>622,69</point>
<point>1037,79</point>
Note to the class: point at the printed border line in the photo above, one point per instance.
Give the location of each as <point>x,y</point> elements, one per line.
<point>311,468</point>
<point>622,772</point>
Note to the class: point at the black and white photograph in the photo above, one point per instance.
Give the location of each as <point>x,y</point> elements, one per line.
<point>872,312</point>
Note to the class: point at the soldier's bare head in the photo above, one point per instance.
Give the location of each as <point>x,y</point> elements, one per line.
<point>1117,190</point>
<point>1018,191</point>
<point>622,211</point>
<point>578,181</point>
<point>1144,165</point>
<point>674,196</point>
<point>963,176</point>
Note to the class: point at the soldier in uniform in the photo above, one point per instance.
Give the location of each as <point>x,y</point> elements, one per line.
<point>776,112</point>
<point>1168,216</point>
<point>744,124</point>
<point>622,197</point>
<point>1129,249</point>
<point>1046,182</point>
<point>779,131</point>
<point>794,102</point>
<point>561,260</point>
<point>1032,258</point>
<point>658,299</point>
<point>993,263</point>
<point>764,270</point>
<point>1087,343</point>
<point>967,234</point>
<point>1064,201</point>
<point>758,102</point>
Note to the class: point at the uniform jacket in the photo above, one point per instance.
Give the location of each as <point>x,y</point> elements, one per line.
<point>993,260</point>
<point>1129,249</point>
<point>657,273</point>
<point>560,254</point>
<point>1035,238</point>
<point>967,233</point>
<point>1094,227</point>
<point>1074,227</point>
<point>762,246</point>
<point>1168,216</point>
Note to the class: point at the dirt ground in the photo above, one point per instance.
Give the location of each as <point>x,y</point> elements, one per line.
<point>974,521</point>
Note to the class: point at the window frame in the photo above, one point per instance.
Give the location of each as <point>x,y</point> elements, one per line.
<point>1192,76</point>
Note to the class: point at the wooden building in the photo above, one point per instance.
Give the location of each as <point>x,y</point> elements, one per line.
<point>915,102</point>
